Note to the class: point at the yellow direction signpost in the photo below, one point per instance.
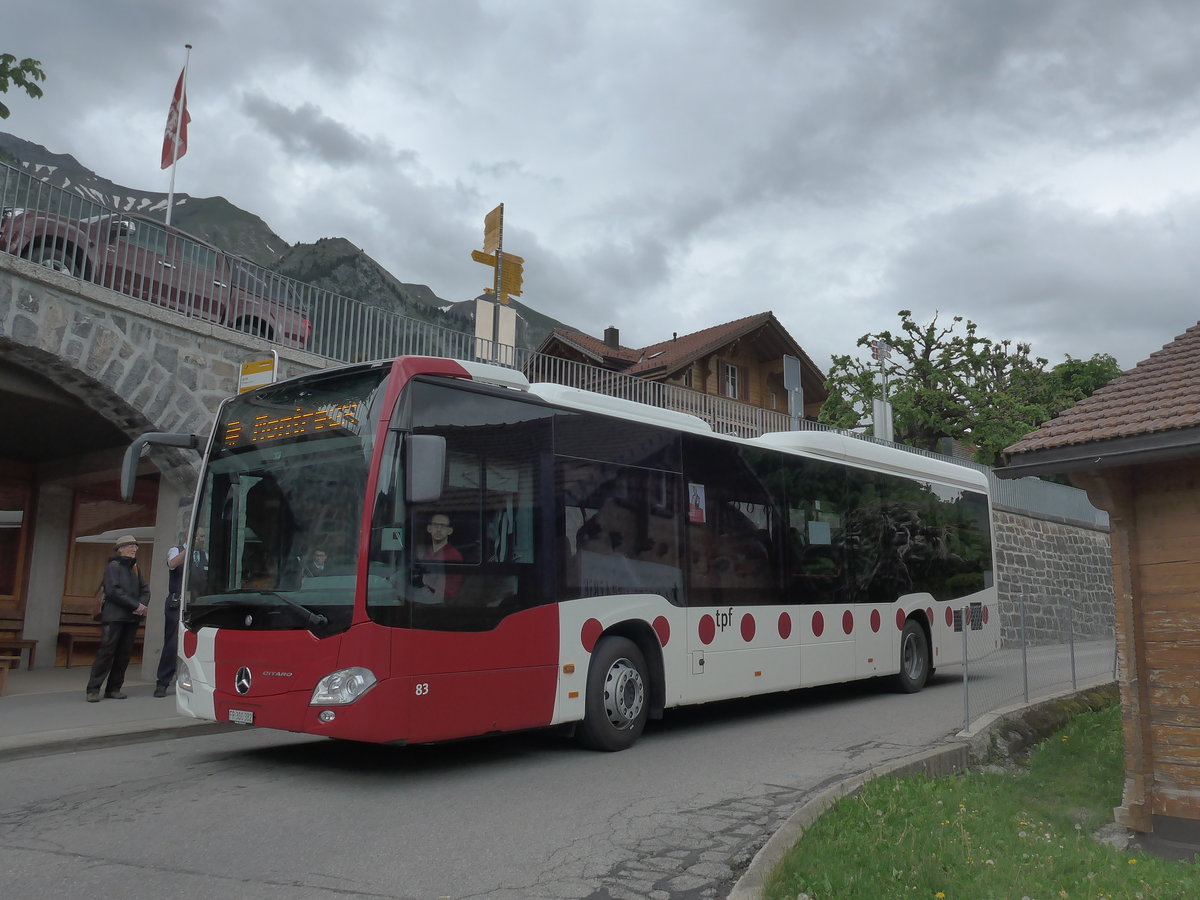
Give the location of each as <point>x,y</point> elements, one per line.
<point>496,326</point>
<point>493,229</point>
<point>510,269</point>
<point>512,272</point>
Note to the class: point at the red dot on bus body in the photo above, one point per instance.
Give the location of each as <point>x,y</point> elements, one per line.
<point>189,644</point>
<point>949,616</point>
<point>748,627</point>
<point>875,621</point>
<point>663,629</point>
<point>818,624</point>
<point>900,620</point>
<point>707,629</point>
<point>785,626</point>
<point>590,633</point>
<point>847,621</point>
<point>929,615</point>
<point>985,615</point>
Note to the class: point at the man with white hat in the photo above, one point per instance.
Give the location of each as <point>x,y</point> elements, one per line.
<point>126,596</point>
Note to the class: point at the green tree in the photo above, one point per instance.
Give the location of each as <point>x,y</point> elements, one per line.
<point>947,382</point>
<point>21,73</point>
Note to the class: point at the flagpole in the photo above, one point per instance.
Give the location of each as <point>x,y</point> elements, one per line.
<point>178,125</point>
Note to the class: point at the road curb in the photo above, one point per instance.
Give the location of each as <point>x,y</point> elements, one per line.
<point>71,740</point>
<point>967,749</point>
<point>942,761</point>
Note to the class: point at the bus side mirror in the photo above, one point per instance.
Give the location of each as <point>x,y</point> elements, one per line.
<point>425,468</point>
<point>133,453</point>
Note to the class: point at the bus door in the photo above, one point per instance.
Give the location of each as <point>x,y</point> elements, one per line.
<point>742,639</point>
<point>812,495</point>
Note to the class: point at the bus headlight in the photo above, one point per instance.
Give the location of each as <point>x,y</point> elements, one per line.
<point>183,679</point>
<point>342,687</point>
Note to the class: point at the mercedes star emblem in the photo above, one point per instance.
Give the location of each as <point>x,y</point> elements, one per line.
<point>241,681</point>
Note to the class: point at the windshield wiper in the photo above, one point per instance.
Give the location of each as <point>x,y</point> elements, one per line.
<point>312,619</point>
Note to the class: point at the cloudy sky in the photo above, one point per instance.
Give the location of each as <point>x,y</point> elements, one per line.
<point>665,166</point>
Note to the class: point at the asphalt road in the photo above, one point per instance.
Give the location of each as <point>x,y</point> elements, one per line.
<point>260,814</point>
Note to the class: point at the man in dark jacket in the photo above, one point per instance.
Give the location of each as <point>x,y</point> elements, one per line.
<point>126,596</point>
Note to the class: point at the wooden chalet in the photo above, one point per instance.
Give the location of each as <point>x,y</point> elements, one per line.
<point>1134,446</point>
<point>742,360</point>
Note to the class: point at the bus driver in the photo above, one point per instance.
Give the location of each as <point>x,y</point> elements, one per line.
<point>433,585</point>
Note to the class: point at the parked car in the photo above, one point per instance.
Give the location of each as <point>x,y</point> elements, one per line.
<point>138,256</point>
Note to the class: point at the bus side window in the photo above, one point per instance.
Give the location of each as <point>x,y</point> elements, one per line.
<point>619,531</point>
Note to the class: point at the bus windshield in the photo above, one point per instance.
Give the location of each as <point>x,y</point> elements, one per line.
<point>280,507</point>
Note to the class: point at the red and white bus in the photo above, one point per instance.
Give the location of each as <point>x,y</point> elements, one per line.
<point>609,560</point>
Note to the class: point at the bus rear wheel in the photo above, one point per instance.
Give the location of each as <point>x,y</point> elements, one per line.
<point>914,658</point>
<point>617,703</point>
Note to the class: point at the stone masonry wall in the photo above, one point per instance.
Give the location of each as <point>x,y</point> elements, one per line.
<point>1060,570</point>
<point>142,367</point>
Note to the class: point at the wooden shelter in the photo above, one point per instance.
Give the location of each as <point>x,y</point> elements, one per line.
<point>1134,446</point>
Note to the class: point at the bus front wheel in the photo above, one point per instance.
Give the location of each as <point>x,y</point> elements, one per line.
<point>617,702</point>
<point>914,658</point>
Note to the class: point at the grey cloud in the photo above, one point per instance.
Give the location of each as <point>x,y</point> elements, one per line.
<point>669,166</point>
<point>1070,281</point>
<point>307,131</point>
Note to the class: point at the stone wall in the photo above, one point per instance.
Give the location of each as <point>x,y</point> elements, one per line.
<point>141,367</point>
<point>1060,570</point>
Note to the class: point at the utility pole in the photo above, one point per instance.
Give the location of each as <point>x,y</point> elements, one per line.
<point>881,407</point>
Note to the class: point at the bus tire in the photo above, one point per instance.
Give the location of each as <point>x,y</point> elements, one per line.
<point>618,696</point>
<point>914,658</point>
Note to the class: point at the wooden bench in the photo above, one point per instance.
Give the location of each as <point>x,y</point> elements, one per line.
<point>11,624</point>
<point>77,625</point>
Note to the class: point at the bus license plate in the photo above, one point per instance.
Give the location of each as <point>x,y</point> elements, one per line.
<point>241,716</point>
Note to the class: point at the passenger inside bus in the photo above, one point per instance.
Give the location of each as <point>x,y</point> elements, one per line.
<point>318,563</point>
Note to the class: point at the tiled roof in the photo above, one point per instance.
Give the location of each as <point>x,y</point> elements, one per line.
<point>666,356</point>
<point>591,346</point>
<point>1160,394</point>
<point>669,354</point>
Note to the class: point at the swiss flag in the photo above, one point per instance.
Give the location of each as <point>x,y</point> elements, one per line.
<point>177,123</point>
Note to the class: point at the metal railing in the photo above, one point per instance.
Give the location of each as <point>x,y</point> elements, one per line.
<point>1065,649</point>
<point>148,261</point>
<point>125,251</point>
